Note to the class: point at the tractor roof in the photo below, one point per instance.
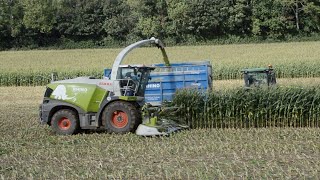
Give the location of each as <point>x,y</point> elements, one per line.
<point>254,70</point>
<point>136,65</point>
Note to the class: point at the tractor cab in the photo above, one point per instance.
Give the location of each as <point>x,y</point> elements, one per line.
<point>133,79</point>
<point>257,77</point>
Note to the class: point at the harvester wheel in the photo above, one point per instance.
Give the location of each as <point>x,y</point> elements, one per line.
<point>121,117</point>
<point>65,122</point>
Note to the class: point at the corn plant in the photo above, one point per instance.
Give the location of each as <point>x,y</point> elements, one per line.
<point>40,78</point>
<point>290,60</point>
<point>238,108</point>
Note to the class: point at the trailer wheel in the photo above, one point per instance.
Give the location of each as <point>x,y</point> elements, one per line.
<point>121,117</point>
<point>65,122</point>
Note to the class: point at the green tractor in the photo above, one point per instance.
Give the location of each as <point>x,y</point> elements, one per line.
<point>259,77</point>
<point>114,104</point>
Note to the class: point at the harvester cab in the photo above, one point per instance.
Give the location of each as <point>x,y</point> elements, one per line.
<point>259,77</point>
<point>114,103</point>
<point>134,79</point>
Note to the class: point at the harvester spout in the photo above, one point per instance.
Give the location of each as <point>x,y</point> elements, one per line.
<point>129,48</point>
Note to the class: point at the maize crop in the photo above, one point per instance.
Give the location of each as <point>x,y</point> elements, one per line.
<point>240,108</point>
<point>32,68</point>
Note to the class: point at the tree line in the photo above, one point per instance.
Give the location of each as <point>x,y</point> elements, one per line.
<point>63,23</point>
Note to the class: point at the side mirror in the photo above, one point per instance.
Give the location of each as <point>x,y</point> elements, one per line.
<point>54,76</point>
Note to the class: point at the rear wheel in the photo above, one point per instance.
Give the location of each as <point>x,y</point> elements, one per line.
<point>65,122</point>
<point>121,117</point>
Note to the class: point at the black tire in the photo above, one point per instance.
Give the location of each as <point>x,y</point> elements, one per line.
<point>65,122</point>
<point>121,117</point>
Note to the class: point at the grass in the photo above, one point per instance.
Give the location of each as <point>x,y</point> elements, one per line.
<point>31,151</point>
<point>295,59</point>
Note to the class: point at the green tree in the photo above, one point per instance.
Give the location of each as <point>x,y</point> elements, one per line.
<point>239,19</point>
<point>40,22</point>
<point>39,15</point>
<point>78,18</point>
<point>269,19</point>
<point>11,25</point>
<point>119,19</point>
<point>147,27</point>
<point>5,32</point>
<point>306,14</point>
<point>11,16</point>
<point>151,17</point>
<point>200,18</point>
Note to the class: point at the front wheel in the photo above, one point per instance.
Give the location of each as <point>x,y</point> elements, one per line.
<point>65,122</point>
<point>121,117</point>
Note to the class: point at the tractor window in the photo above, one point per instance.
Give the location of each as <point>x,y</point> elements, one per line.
<point>143,81</point>
<point>257,79</point>
<point>261,77</point>
<point>130,73</point>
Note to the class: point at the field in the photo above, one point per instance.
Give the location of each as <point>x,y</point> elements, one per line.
<point>31,151</point>
<point>34,67</point>
<point>302,53</point>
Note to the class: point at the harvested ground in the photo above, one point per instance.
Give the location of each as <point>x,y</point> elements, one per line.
<point>29,150</point>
